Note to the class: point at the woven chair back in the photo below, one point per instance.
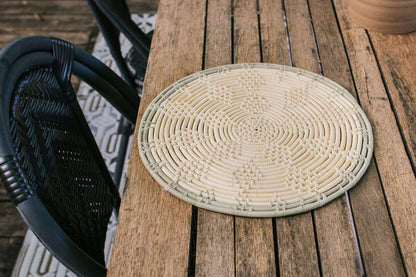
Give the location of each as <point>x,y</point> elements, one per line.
<point>50,163</point>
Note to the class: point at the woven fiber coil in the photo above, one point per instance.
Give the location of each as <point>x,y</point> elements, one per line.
<point>258,140</point>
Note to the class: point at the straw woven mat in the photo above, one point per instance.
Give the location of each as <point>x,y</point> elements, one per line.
<point>257,140</point>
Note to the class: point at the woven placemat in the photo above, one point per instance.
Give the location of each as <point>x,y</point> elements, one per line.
<point>257,140</point>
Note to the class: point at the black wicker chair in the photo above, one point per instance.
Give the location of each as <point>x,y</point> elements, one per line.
<point>113,17</point>
<point>49,161</point>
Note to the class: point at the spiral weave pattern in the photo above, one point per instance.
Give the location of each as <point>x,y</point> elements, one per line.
<point>256,140</point>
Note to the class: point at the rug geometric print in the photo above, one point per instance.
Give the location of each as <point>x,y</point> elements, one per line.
<point>33,259</point>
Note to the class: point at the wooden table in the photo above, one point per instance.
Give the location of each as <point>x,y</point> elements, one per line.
<point>371,230</point>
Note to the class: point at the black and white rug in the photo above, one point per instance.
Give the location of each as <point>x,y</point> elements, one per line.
<point>34,260</point>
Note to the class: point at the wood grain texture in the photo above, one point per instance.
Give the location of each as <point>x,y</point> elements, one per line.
<point>218,45</point>
<point>4,197</point>
<point>57,23</point>
<point>215,232</point>
<point>246,32</point>
<point>215,244</point>
<point>254,246</point>
<point>397,62</point>
<point>83,40</point>
<point>154,227</point>
<point>67,6</point>
<point>301,36</point>
<point>394,166</point>
<point>333,59</point>
<point>12,232</point>
<point>337,251</point>
<point>297,253</point>
<point>379,249</point>
<point>296,246</point>
<point>140,6</point>
<point>9,246</point>
<point>12,225</point>
<point>68,20</point>
<point>18,8</point>
<point>274,46</point>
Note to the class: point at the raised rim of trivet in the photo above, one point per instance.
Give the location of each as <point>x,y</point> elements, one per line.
<point>258,140</point>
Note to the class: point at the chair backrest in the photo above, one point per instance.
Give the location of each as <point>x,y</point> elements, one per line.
<point>113,17</point>
<point>49,161</point>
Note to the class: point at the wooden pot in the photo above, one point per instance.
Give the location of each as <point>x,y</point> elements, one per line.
<point>384,16</point>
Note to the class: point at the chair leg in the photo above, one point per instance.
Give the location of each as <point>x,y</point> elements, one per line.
<point>112,37</point>
<point>118,12</point>
<point>125,130</point>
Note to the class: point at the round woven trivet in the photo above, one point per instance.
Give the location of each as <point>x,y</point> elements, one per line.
<point>258,140</point>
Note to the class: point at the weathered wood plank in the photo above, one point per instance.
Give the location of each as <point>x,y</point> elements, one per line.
<point>379,251</point>
<point>296,246</point>
<point>300,34</point>
<point>254,246</point>
<point>218,48</point>
<point>397,61</point>
<point>334,62</point>
<point>67,6</point>
<point>49,22</point>
<point>215,239</point>
<point>295,235</point>
<point>389,151</point>
<point>3,194</point>
<point>140,6</point>
<point>156,214</point>
<point>274,45</point>
<point>215,244</point>
<point>246,32</point>
<point>337,252</point>
<point>12,232</point>
<point>44,7</point>
<point>83,40</point>
<point>10,247</point>
<point>12,225</point>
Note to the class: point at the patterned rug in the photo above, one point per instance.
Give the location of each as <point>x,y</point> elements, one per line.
<point>33,259</point>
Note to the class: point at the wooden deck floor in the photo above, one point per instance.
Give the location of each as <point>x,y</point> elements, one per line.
<point>70,20</point>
